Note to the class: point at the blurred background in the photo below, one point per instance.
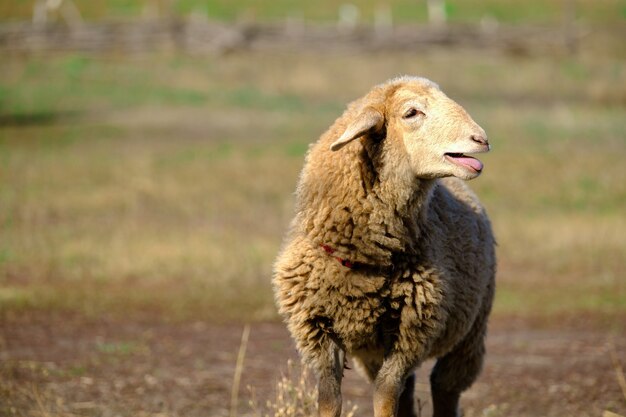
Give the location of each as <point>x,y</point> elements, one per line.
<point>149,150</point>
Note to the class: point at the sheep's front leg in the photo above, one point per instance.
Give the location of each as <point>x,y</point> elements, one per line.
<point>389,385</point>
<point>329,384</point>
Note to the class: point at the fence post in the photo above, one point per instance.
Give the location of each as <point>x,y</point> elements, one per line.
<point>569,26</point>
<point>66,8</point>
<point>437,12</point>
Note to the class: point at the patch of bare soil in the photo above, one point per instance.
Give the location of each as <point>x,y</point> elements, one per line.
<point>54,365</point>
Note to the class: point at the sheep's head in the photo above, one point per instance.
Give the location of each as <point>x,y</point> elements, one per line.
<point>436,133</point>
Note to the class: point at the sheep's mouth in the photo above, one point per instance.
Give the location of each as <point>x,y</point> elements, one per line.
<point>465,161</point>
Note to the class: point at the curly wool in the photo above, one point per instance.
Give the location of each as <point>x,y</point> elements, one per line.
<point>424,248</point>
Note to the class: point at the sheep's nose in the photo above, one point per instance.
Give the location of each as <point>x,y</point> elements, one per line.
<point>480,139</point>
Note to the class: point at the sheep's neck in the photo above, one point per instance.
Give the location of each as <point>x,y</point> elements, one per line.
<point>374,215</point>
<point>398,205</point>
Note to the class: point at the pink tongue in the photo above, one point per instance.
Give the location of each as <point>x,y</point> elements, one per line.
<point>470,162</point>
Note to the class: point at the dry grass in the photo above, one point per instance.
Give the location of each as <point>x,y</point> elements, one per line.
<point>164,183</point>
<point>296,396</point>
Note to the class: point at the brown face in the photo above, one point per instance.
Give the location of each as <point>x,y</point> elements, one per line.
<point>437,133</point>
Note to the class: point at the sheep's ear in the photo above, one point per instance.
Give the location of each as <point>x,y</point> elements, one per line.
<point>369,119</point>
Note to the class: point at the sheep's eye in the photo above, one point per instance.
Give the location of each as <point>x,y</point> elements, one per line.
<point>412,112</point>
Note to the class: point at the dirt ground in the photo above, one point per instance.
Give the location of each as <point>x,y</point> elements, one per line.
<point>67,365</point>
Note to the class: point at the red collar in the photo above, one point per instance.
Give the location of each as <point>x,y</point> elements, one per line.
<point>345,262</point>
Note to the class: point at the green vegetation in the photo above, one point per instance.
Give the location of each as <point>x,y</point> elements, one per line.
<point>510,11</point>
<point>163,184</point>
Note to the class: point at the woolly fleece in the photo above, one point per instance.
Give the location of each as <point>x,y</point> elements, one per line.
<point>422,246</point>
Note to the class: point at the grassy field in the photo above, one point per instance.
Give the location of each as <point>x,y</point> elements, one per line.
<point>143,199</point>
<point>509,11</point>
<point>163,183</point>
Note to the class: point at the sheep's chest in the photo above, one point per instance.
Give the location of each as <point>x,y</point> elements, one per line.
<point>365,310</point>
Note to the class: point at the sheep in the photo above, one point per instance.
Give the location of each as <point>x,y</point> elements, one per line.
<point>390,257</point>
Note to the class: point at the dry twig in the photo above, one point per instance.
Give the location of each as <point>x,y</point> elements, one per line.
<point>619,372</point>
<point>234,393</point>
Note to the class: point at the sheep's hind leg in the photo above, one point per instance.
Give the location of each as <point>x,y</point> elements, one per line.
<point>456,371</point>
<point>329,384</point>
<point>406,406</point>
